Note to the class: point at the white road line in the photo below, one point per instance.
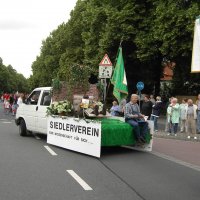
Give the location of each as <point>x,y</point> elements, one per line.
<point>50,151</point>
<point>180,162</point>
<point>84,185</point>
<point>6,122</point>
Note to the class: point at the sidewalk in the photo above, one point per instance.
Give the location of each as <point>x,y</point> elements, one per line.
<point>180,136</point>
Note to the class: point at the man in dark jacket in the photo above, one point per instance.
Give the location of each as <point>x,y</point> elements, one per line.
<point>146,108</point>
<point>156,109</point>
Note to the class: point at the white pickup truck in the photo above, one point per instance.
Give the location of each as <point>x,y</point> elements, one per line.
<point>31,115</point>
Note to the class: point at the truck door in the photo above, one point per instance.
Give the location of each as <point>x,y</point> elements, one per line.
<point>30,109</point>
<point>41,120</point>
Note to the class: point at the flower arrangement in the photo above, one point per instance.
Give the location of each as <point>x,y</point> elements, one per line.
<point>95,107</point>
<point>63,108</point>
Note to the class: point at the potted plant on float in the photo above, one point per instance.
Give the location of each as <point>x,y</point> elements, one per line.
<point>61,108</point>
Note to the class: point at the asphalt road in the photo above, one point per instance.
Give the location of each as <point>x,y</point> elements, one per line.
<point>28,171</point>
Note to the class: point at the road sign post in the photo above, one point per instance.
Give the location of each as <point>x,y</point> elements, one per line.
<point>140,87</point>
<point>105,71</point>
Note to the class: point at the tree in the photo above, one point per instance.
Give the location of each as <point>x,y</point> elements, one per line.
<point>149,31</point>
<point>173,30</point>
<point>11,81</point>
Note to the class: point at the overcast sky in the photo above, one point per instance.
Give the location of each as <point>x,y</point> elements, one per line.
<point>23,26</point>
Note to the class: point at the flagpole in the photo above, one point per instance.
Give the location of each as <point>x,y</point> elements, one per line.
<point>120,45</point>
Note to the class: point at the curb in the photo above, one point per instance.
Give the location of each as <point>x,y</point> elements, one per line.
<point>179,136</point>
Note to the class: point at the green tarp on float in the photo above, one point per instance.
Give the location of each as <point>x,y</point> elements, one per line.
<point>116,133</point>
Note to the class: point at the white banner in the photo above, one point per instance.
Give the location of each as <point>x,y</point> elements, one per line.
<point>80,136</point>
<point>196,48</point>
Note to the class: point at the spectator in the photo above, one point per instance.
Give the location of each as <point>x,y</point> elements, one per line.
<point>14,106</point>
<point>183,115</point>
<point>168,125</point>
<point>147,106</point>
<point>136,119</point>
<point>1,98</point>
<point>198,114</point>
<point>152,99</point>
<point>156,109</point>
<point>122,105</point>
<point>11,100</point>
<point>191,116</point>
<point>174,115</point>
<point>20,99</point>
<point>6,98</point>
<point>7,106</point>
<point>115,109</point>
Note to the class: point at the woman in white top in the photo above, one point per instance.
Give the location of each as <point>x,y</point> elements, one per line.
<point>20,99</point>
<point>183,115</point>
<point>191,116</point>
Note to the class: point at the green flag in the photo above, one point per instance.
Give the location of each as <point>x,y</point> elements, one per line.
<point>118,79</point>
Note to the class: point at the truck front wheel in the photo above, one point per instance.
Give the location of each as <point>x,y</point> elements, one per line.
<point>22,128</point>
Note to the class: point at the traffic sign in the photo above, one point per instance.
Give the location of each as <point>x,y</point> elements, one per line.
<point>105,67</point>
<point>140,86</point>
<point>105,72</point>
<point>105,61</point>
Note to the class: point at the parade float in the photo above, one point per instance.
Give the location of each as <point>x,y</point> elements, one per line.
<point>78,118</point>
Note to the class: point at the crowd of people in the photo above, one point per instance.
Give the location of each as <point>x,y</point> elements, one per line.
<point>184,116</point>
<point>11,102</point>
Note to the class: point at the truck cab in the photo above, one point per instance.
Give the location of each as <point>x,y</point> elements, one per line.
<point>31,115</point>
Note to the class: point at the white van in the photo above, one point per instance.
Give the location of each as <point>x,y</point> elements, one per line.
<point>31,115</point>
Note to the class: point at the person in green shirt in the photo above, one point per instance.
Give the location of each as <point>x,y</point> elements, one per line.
<point>173,111</point>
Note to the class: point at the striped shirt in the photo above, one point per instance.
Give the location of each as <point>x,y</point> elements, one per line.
<point>130,110</point>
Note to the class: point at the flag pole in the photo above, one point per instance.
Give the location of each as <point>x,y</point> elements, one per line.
<point>120,45</point>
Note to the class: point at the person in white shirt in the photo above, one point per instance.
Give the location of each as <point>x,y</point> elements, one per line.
<point>191,116</point>
<point>198,114</point>
<point>20,99</point>
<point>183,115</point>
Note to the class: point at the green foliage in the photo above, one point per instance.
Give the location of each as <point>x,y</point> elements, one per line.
<point>78,75</point>
<point>56,84</point>
<point>150,29</point>
<point>11,81</point>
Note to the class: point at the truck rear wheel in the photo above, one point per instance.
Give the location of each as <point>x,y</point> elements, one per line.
<point>22,128</point>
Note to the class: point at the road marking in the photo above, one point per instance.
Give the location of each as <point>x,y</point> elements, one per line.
<point>50,151</point>
<point>6,122</point>
<point>84,185</point>
<point>180,162</point>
